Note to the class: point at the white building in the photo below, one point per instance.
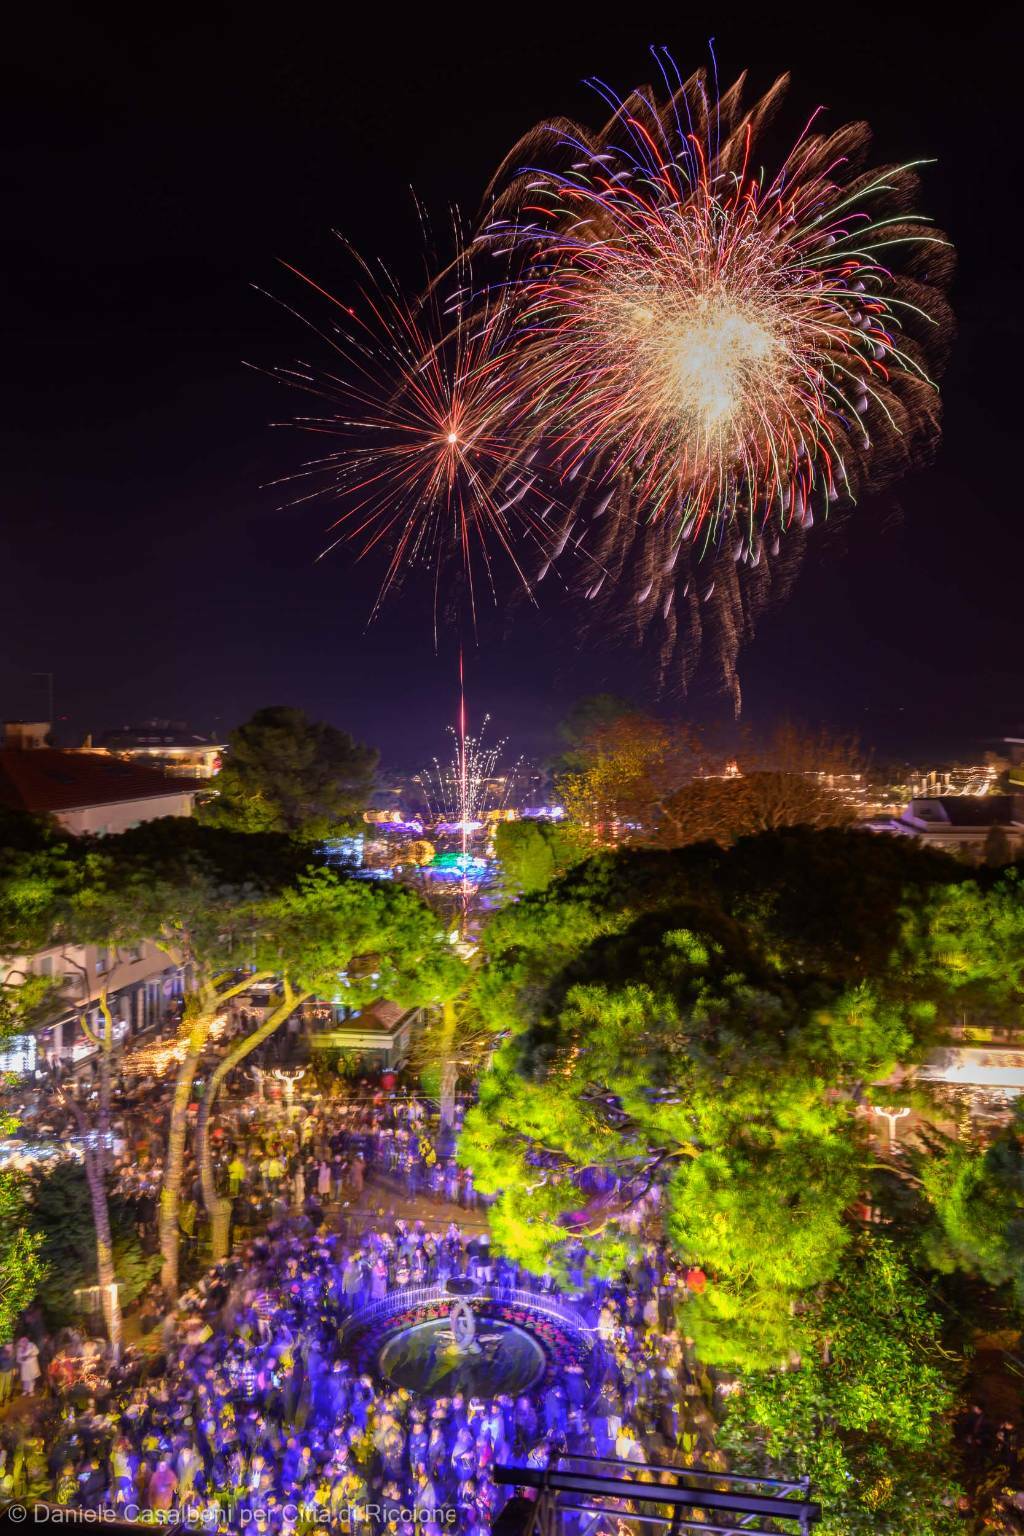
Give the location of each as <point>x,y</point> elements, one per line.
<point>163,744</point>
<point>90,795</point>
<point>960,824</point>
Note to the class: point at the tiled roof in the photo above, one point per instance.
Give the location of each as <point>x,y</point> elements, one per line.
<point>48,780</point>
<point>381,1015</point>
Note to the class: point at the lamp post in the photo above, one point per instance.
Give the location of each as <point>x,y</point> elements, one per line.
<point>891,1117</point>
<point>289,1078</point>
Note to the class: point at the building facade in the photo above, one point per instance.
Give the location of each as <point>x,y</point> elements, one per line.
<point>165,744</point>
<point>963,825</point>
<point>90,795</point>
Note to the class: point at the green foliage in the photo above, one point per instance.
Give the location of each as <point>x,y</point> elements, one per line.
<point>28,1002</point>
<point>430,1080</point>
<point>24,832</point>
<point>866,1411</point>
<point>37,859</point>
<point>287,773</point>
<point>847,904</point>
<point>39,869</point>
<point>977,1196</point>
<point>712,1074</point>
<point>975,945</point>
<point>331,934</point>
<point>708,1022</point>
<point>60,1222</point>
<point>21,1267</point>
<point>195,890</point>
<point>533,853</point>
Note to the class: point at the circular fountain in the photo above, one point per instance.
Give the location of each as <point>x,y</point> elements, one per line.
<point>482,1341</point>
<point>429,1358</point>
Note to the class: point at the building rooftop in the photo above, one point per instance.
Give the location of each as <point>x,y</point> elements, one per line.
<point>155,734</point>
<point>965,810</point>
<point>380,1015</point>
<point>49,780</point>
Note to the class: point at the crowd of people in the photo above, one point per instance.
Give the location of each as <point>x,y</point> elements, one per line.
<point>314,1154</point>
<point>255,1412</point>
<point>245,1402</point>
<point>321,1149</point>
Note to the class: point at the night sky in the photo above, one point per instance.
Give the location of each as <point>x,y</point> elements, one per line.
<point>153,170</point>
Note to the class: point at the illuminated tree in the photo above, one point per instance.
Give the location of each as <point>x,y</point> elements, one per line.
<point>21,1268</point>
<point>287,773</point>
<point>197,892</point>
<point>791,778</point>
<point>102,911</point>
<point>60,1210</point>
<point>624,773</point>
<point>455,1042</point>
<point>331,934</point>
<point>977,1196</point>
<point>632,780</point>
<point>533,853</point>
<point>708,1022</point>
<point>866,1412</point>
<point>37,870</point>
<point>675,1052</point>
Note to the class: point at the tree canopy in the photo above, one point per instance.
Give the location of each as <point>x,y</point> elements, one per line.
<point>977,1195</point>
<point>21,1266</point>
<point>868,1415</point>
<point>708,1024</point>
<point>533,853</point>
<point>60,1220</point>
<point>630,779</point>
<point>287,773</point>
<point>328,932</point>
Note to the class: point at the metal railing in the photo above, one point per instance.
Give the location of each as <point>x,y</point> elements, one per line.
<point>691,1499</point>
<point>501,1295</point>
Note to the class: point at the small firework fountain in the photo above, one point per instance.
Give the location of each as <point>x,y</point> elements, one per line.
<point>461,792</point>
<point>461,795</point>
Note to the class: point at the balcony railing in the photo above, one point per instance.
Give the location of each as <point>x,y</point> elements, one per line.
<point>602,1494</point>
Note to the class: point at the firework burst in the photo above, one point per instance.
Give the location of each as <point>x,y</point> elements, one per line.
<point>422,404</point>
<point>714,352</point>
<point>682,361</point>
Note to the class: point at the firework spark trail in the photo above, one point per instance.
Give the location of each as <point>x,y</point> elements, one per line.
<point>682,361</point>
<point>423,404</point>
<point>717,353</point>
<point>463,775</point>
<point>459,793</point>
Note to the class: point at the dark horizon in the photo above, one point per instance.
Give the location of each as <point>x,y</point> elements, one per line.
<point>151,180</point>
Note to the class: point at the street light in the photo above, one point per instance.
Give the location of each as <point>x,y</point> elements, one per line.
<point>890,1116</point>
<point>289,1078</point>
